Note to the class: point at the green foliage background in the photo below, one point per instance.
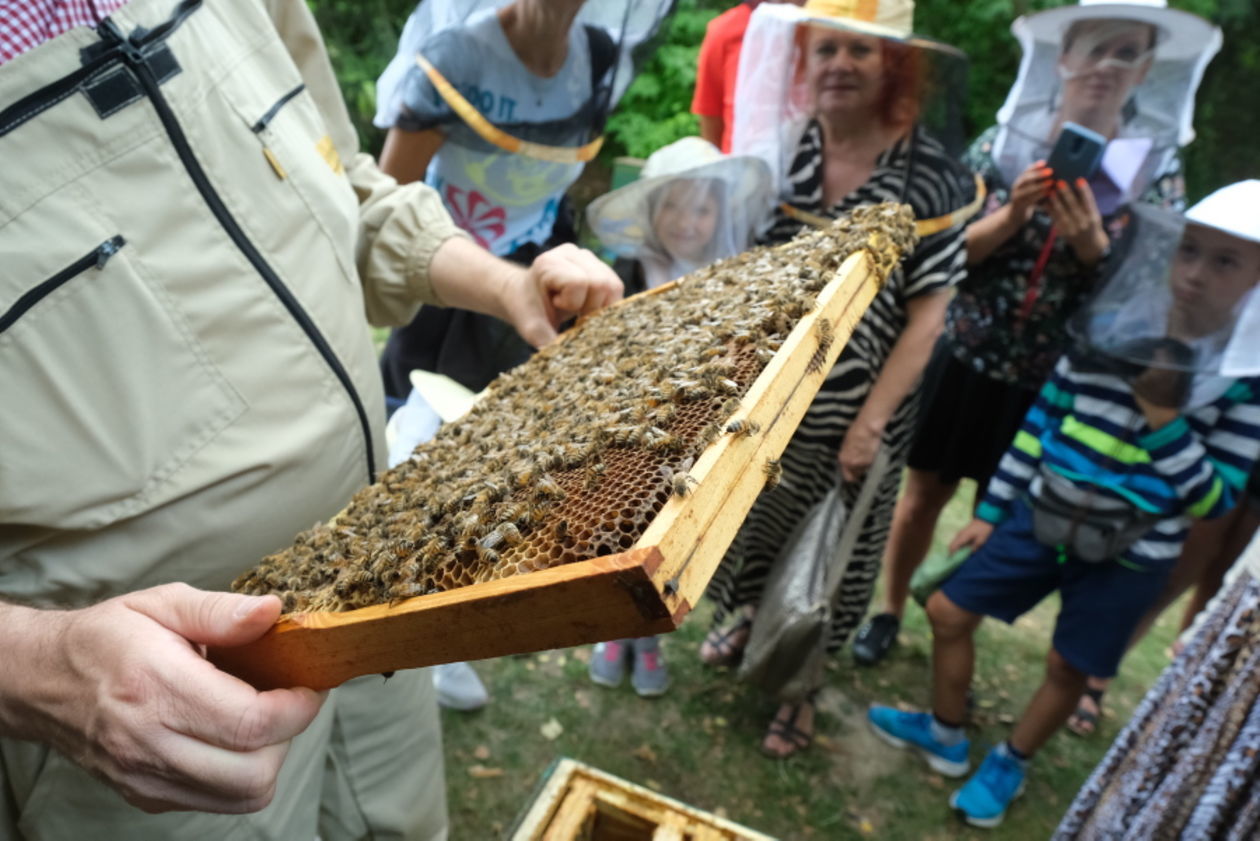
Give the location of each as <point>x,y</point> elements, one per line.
<point>362,35</point>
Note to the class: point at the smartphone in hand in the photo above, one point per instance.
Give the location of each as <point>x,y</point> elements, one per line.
<point>1077,153</point>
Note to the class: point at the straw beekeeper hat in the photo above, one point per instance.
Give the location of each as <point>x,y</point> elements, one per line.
<point>1181,35</point>
<point>893,19</point>
<point>622,218</point>
<point>1231,209</point>
<point>885,18</point>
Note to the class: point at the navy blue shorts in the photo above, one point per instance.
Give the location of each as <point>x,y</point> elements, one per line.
<point>1102,602</point>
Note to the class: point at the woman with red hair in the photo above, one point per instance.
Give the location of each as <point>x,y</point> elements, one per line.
<point>830,96</point>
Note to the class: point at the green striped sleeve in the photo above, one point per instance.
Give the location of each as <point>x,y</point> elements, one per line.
<point>1235,478</point>
<point>1056,396</point>
<point>1103,443</point>
<point>1028,443</point>
<point>1204,505</point>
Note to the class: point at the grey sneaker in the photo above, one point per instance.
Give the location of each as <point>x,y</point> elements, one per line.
<point>608,662</point>
<point>650,676</point>
<point>459,688</point>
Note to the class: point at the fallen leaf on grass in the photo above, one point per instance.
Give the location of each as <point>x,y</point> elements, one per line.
<point>481,752</point>
<point>645,753</point>
<point>481,772</point>
<point>866,827</point>
<point>721,812</point>
<point>936,781</point>
<point>582,698</point>
<point>652,784</point>
<point>582,655</point>
<point>551,730</point>
<point>720,722</point>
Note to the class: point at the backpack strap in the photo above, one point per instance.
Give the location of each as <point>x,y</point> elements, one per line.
<point>603,53</point>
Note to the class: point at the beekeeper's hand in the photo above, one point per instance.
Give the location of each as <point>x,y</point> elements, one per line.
<point>564,282</point>
<point>560,284</point>
<point>1076,216</point>
<point>123,689</point>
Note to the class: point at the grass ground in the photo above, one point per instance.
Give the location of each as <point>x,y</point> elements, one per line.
<point>699,742</point>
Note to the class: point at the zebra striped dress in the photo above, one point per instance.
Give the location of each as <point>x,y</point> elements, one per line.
<point>915,170</point>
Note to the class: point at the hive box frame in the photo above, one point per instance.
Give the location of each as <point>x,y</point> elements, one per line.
<point>575,800</point>
<point>648,589</point>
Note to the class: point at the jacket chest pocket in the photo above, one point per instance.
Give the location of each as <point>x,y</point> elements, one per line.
<point>105,393</point>
<point>296,158</point>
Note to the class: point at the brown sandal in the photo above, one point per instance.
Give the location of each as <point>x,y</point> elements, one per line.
<point>727,644</point>
<point>785,730</point>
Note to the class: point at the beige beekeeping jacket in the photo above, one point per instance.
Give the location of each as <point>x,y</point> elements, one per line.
<point>190,249</point>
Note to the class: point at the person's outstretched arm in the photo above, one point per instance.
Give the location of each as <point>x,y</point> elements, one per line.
<point>123,689</point>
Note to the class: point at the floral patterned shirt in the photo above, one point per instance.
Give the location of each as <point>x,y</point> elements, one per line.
<point>999,329</point>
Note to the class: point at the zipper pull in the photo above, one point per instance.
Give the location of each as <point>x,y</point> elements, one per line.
<point>108,249</point>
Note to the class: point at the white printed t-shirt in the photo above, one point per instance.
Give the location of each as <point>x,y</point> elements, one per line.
<point>503,200</point>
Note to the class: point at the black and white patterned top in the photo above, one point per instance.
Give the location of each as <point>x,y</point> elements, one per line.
<point>915,170</point>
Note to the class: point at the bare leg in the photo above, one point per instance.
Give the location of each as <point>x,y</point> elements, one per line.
<point>914,521</point>
<point>953,656</point>
<point>1050,707</point>
<point>1241,524</point>
<point>1204,544</point>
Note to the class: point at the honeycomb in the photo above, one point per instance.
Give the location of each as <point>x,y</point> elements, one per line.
<point>570,456</point>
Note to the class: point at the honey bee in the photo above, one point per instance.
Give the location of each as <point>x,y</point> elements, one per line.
<point>547,487</point>
<point>510,533</point>
<point>680,483</point>
<point>743,427</point>
<point>774,472</point>
<point>468,525</point>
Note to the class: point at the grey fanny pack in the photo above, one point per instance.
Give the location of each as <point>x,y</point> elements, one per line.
<point>1087,524</point>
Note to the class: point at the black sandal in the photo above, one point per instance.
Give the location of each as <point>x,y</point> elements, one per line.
<point>785,729</point>
<point>723,642</point>
<point>1084,722</point>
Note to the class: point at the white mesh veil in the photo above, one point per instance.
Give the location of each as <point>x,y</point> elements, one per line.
<point>1172,303</point>
<point>773,104</point>
<point>692,206</point>
<point>1132,68</point>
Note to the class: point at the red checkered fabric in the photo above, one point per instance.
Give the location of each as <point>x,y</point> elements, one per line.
<point>25,24</point>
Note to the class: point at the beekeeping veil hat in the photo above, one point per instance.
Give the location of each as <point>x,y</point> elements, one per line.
<point>1183,298</point>
<point>628,24</point>
<point>683,175</point>
<point>926,79</point>
<point>1127,69</point>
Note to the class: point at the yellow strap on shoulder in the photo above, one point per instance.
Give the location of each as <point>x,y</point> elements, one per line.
<point>495,136</point>
<point>922,227</point>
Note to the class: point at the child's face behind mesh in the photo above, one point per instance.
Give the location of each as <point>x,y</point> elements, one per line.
<point>686,220</point>
<point>1212,272</point>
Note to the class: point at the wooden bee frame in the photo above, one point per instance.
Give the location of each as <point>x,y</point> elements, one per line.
<point>576,802</point>
<point>648,589</point>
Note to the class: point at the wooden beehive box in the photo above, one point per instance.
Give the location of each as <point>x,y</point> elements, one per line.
<point>576,802</point>
<point>647,588</point>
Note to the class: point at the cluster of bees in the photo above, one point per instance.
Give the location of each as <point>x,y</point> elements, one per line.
<point>569,456</point>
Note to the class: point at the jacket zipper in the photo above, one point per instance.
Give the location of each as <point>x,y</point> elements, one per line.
<point>134,58</point>
<point>97,257</point>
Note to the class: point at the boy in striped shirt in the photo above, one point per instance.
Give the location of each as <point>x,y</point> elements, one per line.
<point>1093,499</point>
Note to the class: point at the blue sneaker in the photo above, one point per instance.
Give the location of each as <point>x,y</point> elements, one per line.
<point>905,730</point>
<point>984,799</point>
